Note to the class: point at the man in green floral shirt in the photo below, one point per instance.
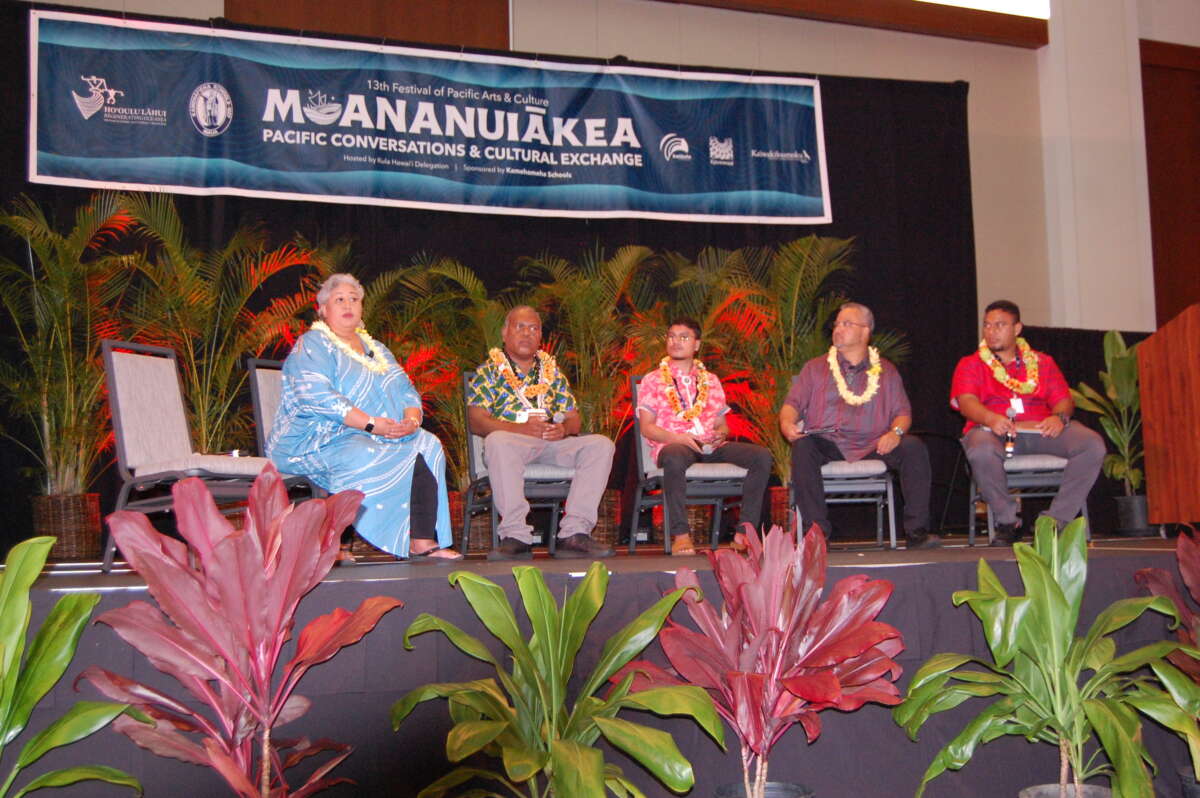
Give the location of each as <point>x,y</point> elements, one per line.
<point>522,406</point>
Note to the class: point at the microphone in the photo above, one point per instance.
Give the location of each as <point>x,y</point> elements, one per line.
<point>559,417</point>
<point>1010,438</point>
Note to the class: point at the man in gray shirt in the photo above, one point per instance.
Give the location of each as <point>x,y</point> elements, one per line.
<point>850,405</point>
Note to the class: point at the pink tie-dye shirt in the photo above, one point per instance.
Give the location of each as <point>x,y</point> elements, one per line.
<point>652,397</point>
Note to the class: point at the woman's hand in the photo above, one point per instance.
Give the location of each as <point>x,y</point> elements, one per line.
<point>390,428</point>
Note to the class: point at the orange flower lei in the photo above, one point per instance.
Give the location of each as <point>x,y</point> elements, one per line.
<point>1028,357</point>
<point>664,373</point>
<point>873,372</point>
<point>547,373</point>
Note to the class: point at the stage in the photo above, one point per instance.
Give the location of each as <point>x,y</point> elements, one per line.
<point>858,754</point>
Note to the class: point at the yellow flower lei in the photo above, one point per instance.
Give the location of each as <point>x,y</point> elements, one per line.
<point>548,373</point>
<point>664,373</point>
<point>1028,357</point>
<point>872,377</point>
<point>376,362</point>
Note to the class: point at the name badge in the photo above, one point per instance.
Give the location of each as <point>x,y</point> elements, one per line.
<point>1018,405</point>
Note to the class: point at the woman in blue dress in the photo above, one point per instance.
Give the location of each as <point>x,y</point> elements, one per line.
<point>349,418</point>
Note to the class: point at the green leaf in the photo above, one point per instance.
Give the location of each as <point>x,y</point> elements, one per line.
<point>576,770</point>
<point>1120,614</point>
<point>468,644</point>
<point>73,775</point>
<point>629,641</point>
<point>1124,750</point>
<point>653,749</point>
<point>935,666</point>
<point>76,723</point>
<point>469,736</point>
<point>51,653</point>
<point>456,777</point>
<point>402,708</point>
<point>1162,708</point>
<point>21,569</point>
<point>490,604</point>
<point>581,609</point>
<point>545,645</point>
<point>992,722</point>
<point>695,702</point>
<point>1099,654</point>
<point>521,762</point>
<point>1045,633</point>
<point>1184,691</point>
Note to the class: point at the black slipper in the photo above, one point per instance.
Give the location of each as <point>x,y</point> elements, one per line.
<point>425,555</point>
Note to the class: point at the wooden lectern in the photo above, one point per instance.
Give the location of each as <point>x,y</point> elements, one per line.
<point>1169,369</point>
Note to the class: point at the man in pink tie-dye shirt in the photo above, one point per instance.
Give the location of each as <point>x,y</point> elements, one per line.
<point>681,411</point>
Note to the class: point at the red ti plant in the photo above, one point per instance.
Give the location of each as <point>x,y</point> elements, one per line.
<point>221,625</point>
<point>775,654</point>
<point>1161,583</point>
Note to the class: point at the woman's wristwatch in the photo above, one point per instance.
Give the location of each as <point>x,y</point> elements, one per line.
<point>370,427</point>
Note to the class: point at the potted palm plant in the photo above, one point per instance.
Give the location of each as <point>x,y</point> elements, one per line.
<point>61,299</point>
<point>1160,583</point>
<point>1119,408</point>
<point>522,716</point>
<point>202,304</point>
<point>1051,685</point>
<point>774,654</point>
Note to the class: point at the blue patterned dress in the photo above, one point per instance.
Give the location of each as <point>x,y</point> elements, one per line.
<point>320,385</point>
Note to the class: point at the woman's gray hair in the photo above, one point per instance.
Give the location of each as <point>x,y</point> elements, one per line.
<point>331,284</point>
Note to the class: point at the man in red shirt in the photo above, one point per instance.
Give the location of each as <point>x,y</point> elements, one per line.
<point>1007,389</point>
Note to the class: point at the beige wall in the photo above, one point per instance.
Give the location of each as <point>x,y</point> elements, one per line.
<point>1175,21</point>
<point>187,9</point>
<point>1003,113</point>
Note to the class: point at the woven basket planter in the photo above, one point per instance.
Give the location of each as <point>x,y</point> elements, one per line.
<point>74,519</point>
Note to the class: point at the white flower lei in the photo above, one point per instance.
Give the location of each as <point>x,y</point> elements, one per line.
<point>376,362</point>
<point>872,377</point>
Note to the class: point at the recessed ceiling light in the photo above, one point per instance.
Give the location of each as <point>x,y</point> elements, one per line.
<point>1021,8</point>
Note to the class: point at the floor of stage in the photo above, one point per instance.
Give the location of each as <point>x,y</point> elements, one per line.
<point>648,559</point>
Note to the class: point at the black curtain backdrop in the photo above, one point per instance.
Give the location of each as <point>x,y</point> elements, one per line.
<point>899,179</point>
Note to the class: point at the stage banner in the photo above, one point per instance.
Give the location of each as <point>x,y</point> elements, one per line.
<point>154,106</point>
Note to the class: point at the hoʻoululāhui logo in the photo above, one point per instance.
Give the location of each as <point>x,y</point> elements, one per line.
<point>99,94</point>
<point>674,148</point>
<point>211,108</point>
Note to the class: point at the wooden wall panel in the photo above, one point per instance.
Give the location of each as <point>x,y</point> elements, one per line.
<point>457,23</point>
<point>930,19</point>
<point>1171,104</point>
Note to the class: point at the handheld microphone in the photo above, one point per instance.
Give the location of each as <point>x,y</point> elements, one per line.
<point>559,417</point>
<point>1010,438</point>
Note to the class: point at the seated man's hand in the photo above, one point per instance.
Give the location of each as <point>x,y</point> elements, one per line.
<point>1002,425</point>
<point>888,441</point>
<point>793,432</point>
<point>1050,427</point>
<point>718,439</point>
<point>553,432</point>
<point>683,439</point>
<point>535,427</point>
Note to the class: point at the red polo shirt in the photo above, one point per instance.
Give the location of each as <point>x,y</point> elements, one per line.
<point>973,376</point>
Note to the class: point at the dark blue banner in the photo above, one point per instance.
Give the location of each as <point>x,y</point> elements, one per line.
<point>142,105</point>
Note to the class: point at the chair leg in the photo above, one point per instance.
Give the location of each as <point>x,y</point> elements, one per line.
<point>891,500</point>
<point>552,535</point>
<point>468,507</point>
<point>991,525</point>
<point>110,546</point>
<point>636,523</point>
<point>495,526</point>
<point>718,507</point>
<point>971,516</point>
<point>879,521</point>
<point>667,524</point>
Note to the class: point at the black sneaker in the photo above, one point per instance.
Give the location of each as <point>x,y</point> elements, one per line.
<point>511,549</point>
<point>921,539</point>
<point>578,547</point>
<point>1006,535</point>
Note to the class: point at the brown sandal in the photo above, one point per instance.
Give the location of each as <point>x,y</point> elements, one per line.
<point>682,546</point>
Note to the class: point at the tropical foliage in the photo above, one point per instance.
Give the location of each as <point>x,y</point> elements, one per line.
<point>210,307</point>
<point>62,300</point>
<point>1119,408</point>
<point>1050,684</point>
<point>226,607</point>
<point>1160,583</point>
<point>522,716</point>
<point>774,654</point>
<point>23,684</point>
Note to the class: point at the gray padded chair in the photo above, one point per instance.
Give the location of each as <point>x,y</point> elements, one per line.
<point>153,443</point>
<point>1033,476</point>
<point>707,483</point>
<point>860,482</point>
<point>545,486</point>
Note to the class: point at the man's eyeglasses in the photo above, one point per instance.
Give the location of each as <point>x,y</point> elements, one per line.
<point>846,324</point>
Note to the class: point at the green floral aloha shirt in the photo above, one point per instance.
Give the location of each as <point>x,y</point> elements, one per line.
<point>489,390</point>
